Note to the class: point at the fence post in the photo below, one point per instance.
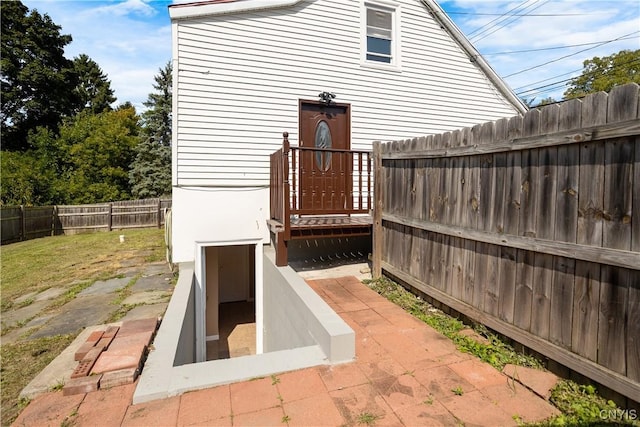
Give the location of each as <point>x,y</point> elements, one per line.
<point>376,260</point>
<point>159,210</point>
<point>23,223</point>
<point>54,215</point>
<point>110,218</point>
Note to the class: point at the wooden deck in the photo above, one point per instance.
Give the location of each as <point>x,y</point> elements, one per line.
<point>325,226</point>
<point>336,204</point>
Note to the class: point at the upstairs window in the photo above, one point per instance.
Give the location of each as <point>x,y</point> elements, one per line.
<point>379,35</point>
<point>381,45</point>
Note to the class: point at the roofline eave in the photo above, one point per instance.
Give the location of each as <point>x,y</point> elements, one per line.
<point>443,19</point>
<point>204,8</point>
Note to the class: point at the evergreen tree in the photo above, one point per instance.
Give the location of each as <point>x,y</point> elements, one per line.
<point>156,121</point>
<point>36,80</point>
<point>93,91</point>
<point>150,172</point>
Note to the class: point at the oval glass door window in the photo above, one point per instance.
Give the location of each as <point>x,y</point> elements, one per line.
<point>323,140</point>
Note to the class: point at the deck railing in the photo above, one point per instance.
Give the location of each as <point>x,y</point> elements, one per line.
<point>280,209</point>
<point>300,186</point>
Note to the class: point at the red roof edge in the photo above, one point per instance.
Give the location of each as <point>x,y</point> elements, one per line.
<point>201,3</point>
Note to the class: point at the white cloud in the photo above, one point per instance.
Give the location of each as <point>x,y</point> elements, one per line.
<point>130,40</point>
<point>125,8</point>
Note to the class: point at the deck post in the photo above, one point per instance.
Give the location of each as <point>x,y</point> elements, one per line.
<point>287,189</point>
<point>282,253</point>
<point>376,260</point>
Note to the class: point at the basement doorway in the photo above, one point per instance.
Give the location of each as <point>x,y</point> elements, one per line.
<point>228,301</point>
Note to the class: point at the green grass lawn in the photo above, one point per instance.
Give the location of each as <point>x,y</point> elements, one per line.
<point>68,262</point>
<point>39,264</point>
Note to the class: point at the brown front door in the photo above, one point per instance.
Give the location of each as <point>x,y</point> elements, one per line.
<point>325,176</point>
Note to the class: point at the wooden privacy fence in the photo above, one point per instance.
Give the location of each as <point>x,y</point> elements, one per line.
<point>529,225</point>
<point>23,223</point>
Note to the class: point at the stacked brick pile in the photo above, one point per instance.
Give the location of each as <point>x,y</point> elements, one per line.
<point>111,357</point>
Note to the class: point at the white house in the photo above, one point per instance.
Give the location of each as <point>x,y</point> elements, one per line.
<point>244,72</point>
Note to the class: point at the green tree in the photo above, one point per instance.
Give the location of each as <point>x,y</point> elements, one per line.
<point>150,174</point>
<point>603,74</point>
<point>33,177</point>
<point>36,80</point>
<point>96,152</point>
<point>93,91</point>
<point>20,175</point>
<point>546,101</point>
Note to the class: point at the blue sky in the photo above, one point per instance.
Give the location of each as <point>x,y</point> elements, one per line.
<point>131,39</point>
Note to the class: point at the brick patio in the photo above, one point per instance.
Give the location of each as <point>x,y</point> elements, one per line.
<point>405,374</point>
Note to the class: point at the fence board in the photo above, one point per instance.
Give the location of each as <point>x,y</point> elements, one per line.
<point>465,219</point>
<point>510,221</point>
<point>633,327</point>
<point>529,308</point>
<point>565,228</point>
<point>451,247</point>
<point>635,219</point>
<point>614,292</point>
<point>585,316</point>
<point>586,306</point>
<point>538,240</point>
<point>545,272</point>
<point>618,184</point>
<point>456,203</point>
<point>486,223</point>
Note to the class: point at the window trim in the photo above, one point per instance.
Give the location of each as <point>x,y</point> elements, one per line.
<point>396,57</point>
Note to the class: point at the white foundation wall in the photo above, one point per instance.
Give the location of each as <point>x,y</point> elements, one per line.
<point>217,215</point>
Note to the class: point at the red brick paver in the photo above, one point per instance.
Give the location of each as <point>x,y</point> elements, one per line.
<point>338,377</point>
<point>540,382</point>
<point>162,412</point>
<point>206,407</point>
<point>299,385</point>
<point>81,385</point>
<point>49,409</point>
<point>474,408</point>
<point>264,417</point>
<point>356,404</point>
<point>427,413</point>
<point>405,373</point>
<point>252,396</point>
<point>319,410</point>
<point>106,407</point>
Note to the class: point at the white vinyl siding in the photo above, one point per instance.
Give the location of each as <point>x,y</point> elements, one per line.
<point>239,78</point>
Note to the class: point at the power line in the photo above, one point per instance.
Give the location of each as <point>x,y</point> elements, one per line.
<point>537,89</point>
<point>501,19</point>
<point>524,14</point>
<point>497,19</point>
<point>545,80</point>
<point>477,39</point>
<point>555,47</point>
<point>567,56</point>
